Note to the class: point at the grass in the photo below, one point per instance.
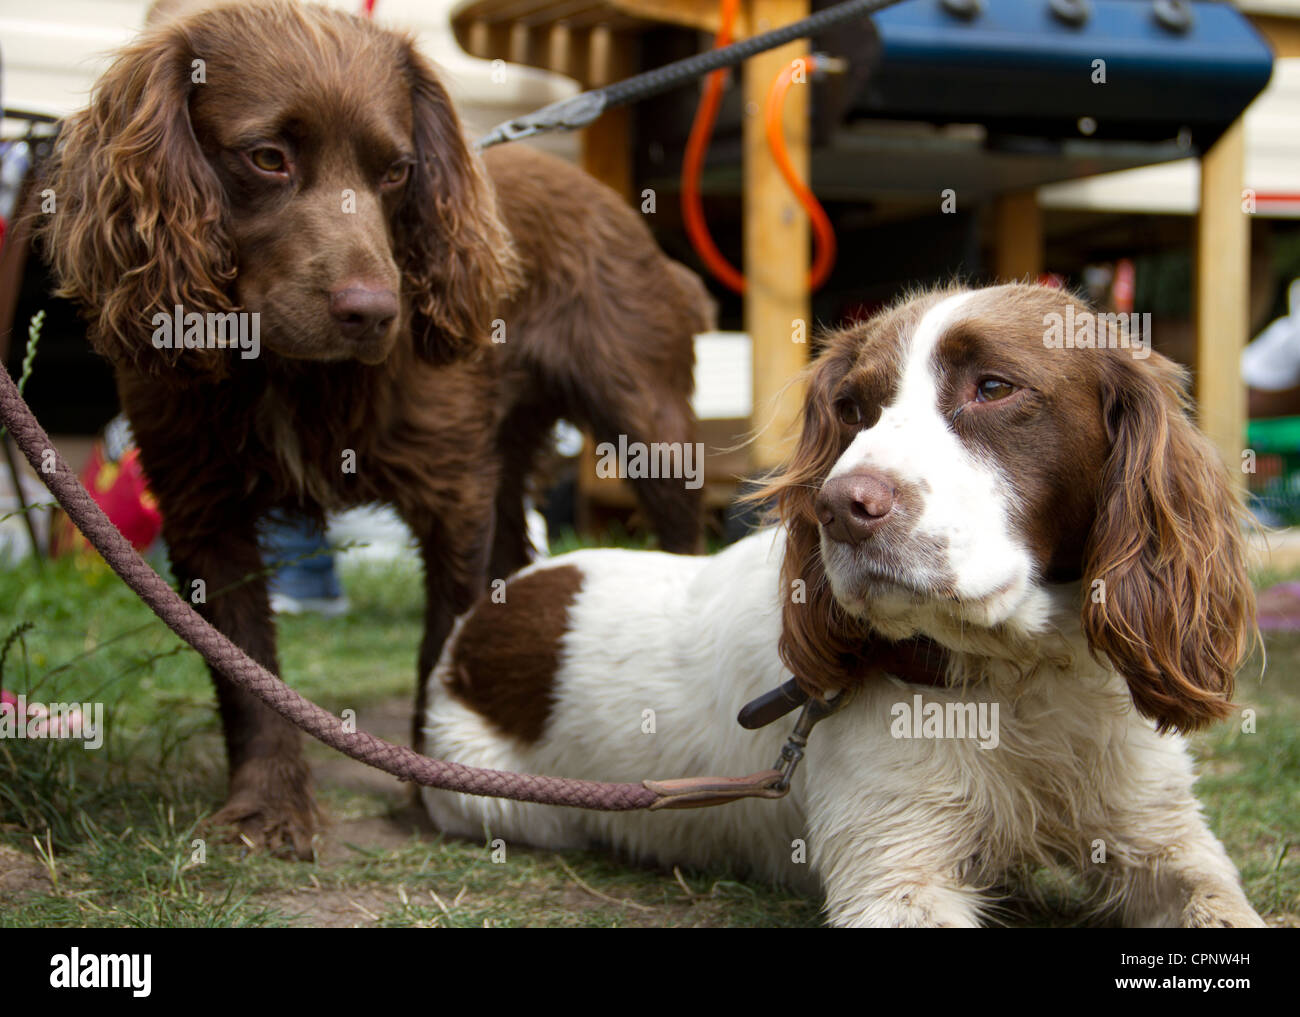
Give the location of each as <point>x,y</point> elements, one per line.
<point>116,837</point>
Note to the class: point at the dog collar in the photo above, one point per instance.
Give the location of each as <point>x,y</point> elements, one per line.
<point>917,661</point>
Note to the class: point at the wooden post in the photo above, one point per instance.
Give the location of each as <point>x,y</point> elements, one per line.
<point>479,40</point>
<point>1017,237</point>
<point>1223,296</point>
<point>776,242</point>
<point>488,40</point>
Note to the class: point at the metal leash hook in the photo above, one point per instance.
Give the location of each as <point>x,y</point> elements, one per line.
<point>792,753</point>
<point>570,114</point>
<point>701,792</point>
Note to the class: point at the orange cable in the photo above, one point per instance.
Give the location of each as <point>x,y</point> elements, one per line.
<point>822,228</point>
<point>697,147</point>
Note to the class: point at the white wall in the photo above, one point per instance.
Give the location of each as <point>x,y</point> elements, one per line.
<point>54,49</point>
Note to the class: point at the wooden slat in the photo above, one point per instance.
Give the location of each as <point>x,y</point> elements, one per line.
<point>1222,297</point>
<point>1017,237</point>
<point>616,15</point>
<point>476,40</point>
<point>688,13</point>
<point>776,241</point>
<point>559,49</point>
<point>521,43</point>
<point>601,57</point>
<point>607,152</point>
<point>486,39</point>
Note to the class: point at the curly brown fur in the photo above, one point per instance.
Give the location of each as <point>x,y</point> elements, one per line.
<point>620,365</point>
<point>1177,614</point>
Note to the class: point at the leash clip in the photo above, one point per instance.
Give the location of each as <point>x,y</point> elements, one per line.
<point>569,114</point>
<point>792,753</point>
<point>701,792</point>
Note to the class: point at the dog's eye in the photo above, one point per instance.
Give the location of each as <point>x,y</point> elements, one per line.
<point>849,412</point>
<point>397,174</point>
<point>268,160</point>
<point>992,390</point>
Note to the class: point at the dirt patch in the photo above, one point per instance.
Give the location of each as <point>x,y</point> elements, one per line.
<point>20,874</point>
<point>332,909</point>
<point>373,833</point>
<point>366,807</point>
<point>390,720</point>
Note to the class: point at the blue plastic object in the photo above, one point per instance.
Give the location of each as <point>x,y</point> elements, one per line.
<point>1031,66</point>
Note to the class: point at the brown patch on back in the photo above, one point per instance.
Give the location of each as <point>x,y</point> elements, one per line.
<point>506,655</point>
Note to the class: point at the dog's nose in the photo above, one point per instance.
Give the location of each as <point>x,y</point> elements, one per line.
<point>362,312</point>
<point>852,507</point>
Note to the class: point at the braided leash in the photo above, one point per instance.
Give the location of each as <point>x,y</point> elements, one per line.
<point>401,762</point>
<point>231,661</point>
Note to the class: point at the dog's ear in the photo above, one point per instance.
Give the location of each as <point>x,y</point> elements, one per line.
<point>1167,596</point>
<point>819,643</point>
<point>457,260</point>
<point>138,224</point>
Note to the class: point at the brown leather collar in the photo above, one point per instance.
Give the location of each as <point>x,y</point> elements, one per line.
<point>917,661</point>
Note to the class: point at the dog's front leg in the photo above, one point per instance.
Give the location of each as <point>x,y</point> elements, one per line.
<point>911,898</point>
<point>455,554</point>
<point>270,798</point>
<point>882,868</point>
<point>1188,882</point>
<point>1158,862</point>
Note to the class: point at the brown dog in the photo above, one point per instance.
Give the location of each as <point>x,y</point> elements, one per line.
<point>296,265</point>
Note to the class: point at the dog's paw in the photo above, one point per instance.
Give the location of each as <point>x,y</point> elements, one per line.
<point>911,907</point>
<point>1214,907</point>
<point>271,808</point>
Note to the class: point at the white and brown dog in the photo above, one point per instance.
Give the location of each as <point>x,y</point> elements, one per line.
<point>1021,562</point>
